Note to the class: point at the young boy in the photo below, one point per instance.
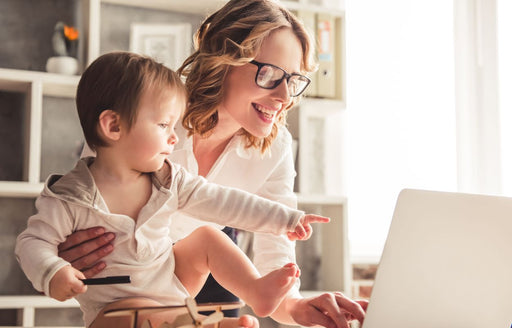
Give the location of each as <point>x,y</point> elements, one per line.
<point>128,106</point>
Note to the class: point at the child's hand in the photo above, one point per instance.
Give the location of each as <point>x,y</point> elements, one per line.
<point>66,283</point>
<point>303,230</point>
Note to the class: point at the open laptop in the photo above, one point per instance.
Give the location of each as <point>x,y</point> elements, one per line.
<point>447,263</point>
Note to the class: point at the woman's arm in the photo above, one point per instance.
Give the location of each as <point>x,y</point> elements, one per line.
<point>332,310</point>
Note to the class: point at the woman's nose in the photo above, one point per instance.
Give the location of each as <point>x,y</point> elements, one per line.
<point>282,92</point>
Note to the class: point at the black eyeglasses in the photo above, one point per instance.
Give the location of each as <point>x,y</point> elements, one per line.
<point>270,76</point>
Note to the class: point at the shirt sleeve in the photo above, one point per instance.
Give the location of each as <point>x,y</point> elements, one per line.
<point>36,247</point>
<point>233,207</point>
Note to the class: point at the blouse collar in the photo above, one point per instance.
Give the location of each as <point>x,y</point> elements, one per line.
<point>236,144</point>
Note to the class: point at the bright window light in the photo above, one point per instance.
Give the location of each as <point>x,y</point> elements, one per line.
<point>504,26</point>
<point>400,110</point>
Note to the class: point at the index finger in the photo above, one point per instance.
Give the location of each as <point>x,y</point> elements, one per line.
<point>80,236</point>
<point>313,218</point>
<point>355,308</point>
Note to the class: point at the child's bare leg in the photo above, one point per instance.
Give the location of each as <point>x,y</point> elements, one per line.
<point>209,250</point>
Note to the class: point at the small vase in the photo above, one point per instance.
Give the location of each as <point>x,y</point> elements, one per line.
<point>62,65</point>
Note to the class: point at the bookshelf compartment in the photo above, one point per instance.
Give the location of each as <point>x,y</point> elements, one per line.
<point>13,116</point>
<point>61,136</point>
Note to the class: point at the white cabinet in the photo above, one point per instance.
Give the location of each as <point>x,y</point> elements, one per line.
<point>35,86</point>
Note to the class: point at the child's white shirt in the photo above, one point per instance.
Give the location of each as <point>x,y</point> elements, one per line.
<point>143,248</point>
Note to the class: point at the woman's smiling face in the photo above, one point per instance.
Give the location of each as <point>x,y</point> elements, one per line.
<point>248,106</point>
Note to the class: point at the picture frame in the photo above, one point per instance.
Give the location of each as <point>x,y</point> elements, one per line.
<point>169,44</point>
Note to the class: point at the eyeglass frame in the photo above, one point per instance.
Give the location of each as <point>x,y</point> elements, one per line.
<point>286,76</point>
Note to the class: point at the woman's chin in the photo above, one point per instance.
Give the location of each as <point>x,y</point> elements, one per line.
<point>261,132</point>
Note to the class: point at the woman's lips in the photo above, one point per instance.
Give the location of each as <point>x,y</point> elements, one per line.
<point>265,114</point>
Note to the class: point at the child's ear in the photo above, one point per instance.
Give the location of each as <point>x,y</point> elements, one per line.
<point>110,124</point>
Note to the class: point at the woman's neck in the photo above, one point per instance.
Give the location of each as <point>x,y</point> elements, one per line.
<point>207,150</point>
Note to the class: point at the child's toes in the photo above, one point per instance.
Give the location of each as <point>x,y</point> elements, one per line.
<point>294,269</point>
<point>248,321</point>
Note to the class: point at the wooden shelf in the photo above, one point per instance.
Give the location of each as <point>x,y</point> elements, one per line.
<point>52,84</point>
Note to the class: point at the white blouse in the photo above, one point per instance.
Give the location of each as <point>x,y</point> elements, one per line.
<point>270,175</point>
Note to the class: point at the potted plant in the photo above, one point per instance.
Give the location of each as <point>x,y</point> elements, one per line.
<point>64,44</point>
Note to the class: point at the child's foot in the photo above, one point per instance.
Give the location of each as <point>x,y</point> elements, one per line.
<point>245,321</point>
<point>269,290</point>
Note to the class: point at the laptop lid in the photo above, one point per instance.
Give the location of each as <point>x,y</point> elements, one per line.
<point>447,263</point>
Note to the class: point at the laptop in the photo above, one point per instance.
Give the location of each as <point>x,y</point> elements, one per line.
<point>447,263</point>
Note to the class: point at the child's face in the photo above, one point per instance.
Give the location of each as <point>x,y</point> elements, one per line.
<point>152,137</point>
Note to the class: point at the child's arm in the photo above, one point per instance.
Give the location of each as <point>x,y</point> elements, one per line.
<point>239,209</point>
<point>232,207</point>
<point>303,230</point>
<point>36,247</point>
<point>66,283</point>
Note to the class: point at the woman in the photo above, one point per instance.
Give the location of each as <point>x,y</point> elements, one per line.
<point>247,72</point>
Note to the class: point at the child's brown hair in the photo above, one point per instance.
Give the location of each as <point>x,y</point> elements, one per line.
<point>116,81</point>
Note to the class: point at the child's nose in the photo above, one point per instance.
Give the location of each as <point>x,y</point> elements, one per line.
<point>173,139</point>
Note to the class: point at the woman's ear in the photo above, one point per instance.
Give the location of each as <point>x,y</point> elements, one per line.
<point>110,125</point>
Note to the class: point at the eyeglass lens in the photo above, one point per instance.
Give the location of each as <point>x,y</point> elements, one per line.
<point>270,77</point>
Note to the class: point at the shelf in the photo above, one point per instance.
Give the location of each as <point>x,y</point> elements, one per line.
<point>293,5</point>
<point>184,6</point>
<point>321,103</point>
<point>52,84</point>
<point>204,8</point>
<point>21,189</point>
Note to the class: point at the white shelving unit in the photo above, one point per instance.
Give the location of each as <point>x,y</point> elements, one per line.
<point>34,85</point>
<point>335,270</point>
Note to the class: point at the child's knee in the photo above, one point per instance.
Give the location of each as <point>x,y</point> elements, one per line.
<point>208,233</point>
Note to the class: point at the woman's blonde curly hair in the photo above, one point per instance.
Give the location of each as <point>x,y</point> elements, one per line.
<point>232,36</point>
